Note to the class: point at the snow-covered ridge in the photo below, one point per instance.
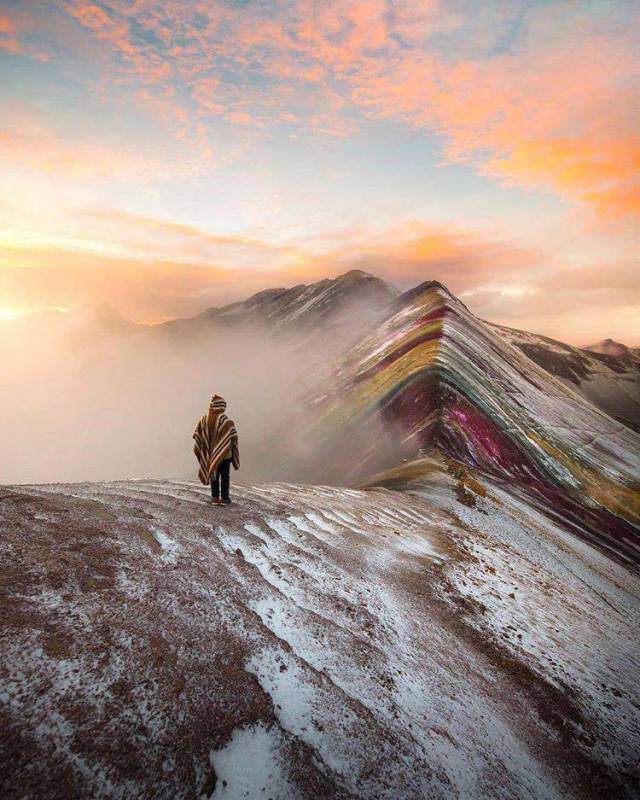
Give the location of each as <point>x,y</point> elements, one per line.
<point>346,643</point>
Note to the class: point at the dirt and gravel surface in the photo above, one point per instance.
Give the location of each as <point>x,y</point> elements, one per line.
<point>310,642</point>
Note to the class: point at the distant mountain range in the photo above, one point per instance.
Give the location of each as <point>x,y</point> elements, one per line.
<point>611,381</point>
<point>343,309</point>
<point>355,297</point>
<point>103,319</point>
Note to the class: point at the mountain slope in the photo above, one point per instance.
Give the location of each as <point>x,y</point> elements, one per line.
<point>609,381</point>
<point>311,642</point>
<point>434,376</point>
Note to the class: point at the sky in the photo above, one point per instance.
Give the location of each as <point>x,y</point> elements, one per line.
<point>164,156</point>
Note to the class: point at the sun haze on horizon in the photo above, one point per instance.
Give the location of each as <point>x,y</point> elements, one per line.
<point>166,157</point>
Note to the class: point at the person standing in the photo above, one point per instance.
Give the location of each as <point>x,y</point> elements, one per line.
<point>216,448</point>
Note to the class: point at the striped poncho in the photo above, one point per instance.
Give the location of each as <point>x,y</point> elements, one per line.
<point>216,438</point>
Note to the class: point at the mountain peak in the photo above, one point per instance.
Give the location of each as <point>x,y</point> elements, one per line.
<point>609,347</point>
<point>427,288</point>
<point>356,275</point>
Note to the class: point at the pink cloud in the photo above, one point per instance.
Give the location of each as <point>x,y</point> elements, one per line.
<point>8,38</point>
<point>545,119</point>
<point>180,242</point>
<point>12,40</point>
<point>26,140</point>
<point>553,111</point>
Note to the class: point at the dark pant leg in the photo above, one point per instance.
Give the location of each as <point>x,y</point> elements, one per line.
<point>215,487</point>
<point>225,469</point>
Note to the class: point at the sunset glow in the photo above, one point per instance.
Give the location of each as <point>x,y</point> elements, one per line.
<point>9,313</point>
<point>165,157</point>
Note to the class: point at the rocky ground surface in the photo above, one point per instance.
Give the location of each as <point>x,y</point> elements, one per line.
<point>444,641</point>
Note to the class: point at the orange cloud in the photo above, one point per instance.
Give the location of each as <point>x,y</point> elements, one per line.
<point>537,117</point>
<point>546,119</point>
<point>185,269</point>
<point>183,243</point>
<point>8,39</point>
<point>144,290</point>
<point>109,23</point>
<point>415,252</point>
<point>619,200</point>
<point>43,150</point>
<point>11,40</point>
<point>554,109</point>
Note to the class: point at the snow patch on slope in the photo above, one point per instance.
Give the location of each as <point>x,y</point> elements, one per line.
<point>559,605</point>
<point>250,766</point>
<point>170,548</point>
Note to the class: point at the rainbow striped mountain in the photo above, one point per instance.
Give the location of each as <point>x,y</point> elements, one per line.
<point>431,378</point>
